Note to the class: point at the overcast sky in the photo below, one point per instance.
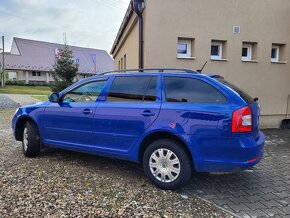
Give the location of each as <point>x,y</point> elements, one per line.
<point>87,23</point>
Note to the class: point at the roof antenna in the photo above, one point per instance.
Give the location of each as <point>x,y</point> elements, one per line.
<point>202,67</point>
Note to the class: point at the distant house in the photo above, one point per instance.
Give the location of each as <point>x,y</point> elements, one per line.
<point>32,61</point>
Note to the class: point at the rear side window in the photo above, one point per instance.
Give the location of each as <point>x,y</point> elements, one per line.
<point>181,89</point>
<point>133,89</point>
<point>248,99</point>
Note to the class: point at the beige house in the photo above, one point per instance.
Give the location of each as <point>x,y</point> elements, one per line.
<point>247,42</point>
<point>32,61</point>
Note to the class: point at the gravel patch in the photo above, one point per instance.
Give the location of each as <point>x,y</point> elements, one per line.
<point>6,103</point>
<point>61,183</point>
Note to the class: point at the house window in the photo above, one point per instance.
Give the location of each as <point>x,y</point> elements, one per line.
<point>247,52</point>
<point>119,65</point>
<point>275,53</point>
<point>122,64</point>
<point>236,29</point>
<point>278,53</point>
<point>185,47</point>
<point>34,73</point>
<point>217,50</point>
<point>125,62</point>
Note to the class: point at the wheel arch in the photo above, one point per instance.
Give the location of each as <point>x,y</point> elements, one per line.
<point>19,127</point>
<point>161,135</point>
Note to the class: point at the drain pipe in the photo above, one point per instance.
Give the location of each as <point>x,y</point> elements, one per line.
<point>138,6</point>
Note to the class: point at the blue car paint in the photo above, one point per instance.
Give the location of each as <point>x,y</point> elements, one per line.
<point>117,129</point>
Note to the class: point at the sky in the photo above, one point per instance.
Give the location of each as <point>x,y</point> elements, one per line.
<point>87,23</point>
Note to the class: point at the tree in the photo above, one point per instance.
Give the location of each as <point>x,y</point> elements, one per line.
<point>64,70</point>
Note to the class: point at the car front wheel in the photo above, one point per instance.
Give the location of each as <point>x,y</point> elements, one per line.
<point>30,140</point>
<point>167,164</point>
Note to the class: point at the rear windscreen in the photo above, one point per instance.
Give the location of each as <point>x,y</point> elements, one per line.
<point>242,93</point>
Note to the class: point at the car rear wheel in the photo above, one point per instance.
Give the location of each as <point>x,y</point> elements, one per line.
<point>167,164</point>
<point>30,140</point>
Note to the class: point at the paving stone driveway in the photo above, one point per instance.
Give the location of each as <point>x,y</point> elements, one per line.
<point>263,191</point>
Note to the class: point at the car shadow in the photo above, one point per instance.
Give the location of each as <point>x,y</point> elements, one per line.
<point>201,184</point>
<point>90,161</point>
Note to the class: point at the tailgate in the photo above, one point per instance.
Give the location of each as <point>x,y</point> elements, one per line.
<point>255,108</point>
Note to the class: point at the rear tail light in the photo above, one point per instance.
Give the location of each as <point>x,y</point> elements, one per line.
<point>242,120</point>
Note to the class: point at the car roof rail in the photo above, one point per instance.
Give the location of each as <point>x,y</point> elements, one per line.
<point>175,70</point>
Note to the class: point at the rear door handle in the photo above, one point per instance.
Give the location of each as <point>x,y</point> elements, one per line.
<point>148,113</point>
<point>87,111</point>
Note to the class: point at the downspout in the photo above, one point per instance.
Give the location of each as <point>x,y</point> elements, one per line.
<point>137,7</point>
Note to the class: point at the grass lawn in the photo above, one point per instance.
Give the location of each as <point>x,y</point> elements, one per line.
<point>40,97</point>
<point>30,90</point>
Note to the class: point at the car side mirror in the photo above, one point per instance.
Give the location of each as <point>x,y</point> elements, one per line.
<point>53,97</point>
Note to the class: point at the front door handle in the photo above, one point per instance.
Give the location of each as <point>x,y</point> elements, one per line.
<point>148,113</point>
<point>87,111</point>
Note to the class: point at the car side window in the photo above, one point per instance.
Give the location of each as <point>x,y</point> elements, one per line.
<point>190,90</point>
<point>88,92</point>
<point>133,89</point>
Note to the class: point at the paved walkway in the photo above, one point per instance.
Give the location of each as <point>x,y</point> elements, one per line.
<point>7,103</point>
<point>263,191</point>
<point>21,99</point>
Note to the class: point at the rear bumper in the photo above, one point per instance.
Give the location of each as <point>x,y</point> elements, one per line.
<point>242,154</point>
<point>226,166</point>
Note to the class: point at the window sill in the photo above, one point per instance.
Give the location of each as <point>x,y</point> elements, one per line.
<point>189,58</point>
<point>279,62</point>
<point>223,59</point>
<point>250,61</point>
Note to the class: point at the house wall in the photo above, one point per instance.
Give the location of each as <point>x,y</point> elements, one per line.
<point>128,46</point>
<point>21,76</point>
<point>261,21</point>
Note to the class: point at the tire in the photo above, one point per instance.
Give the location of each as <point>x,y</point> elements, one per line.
<point>167,172</point>
<point>30,140</point>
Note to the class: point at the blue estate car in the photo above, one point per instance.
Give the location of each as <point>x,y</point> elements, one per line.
<point>171,121</point>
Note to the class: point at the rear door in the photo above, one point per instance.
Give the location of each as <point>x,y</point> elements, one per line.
<point>131,106</point>
<point>194,106</point>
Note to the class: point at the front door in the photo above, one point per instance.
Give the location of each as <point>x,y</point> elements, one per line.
<point>70,122</point>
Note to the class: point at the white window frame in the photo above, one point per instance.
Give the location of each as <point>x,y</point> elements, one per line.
<point>249,53</point>
<point>277,47</point>
<point>188,46</point>
<point>220,51</point>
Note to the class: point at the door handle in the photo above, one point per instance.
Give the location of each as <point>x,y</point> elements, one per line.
<point>148,113</point>
<point>87,111</point>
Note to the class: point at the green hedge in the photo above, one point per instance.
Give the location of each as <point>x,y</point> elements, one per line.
<point>22,83</point>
